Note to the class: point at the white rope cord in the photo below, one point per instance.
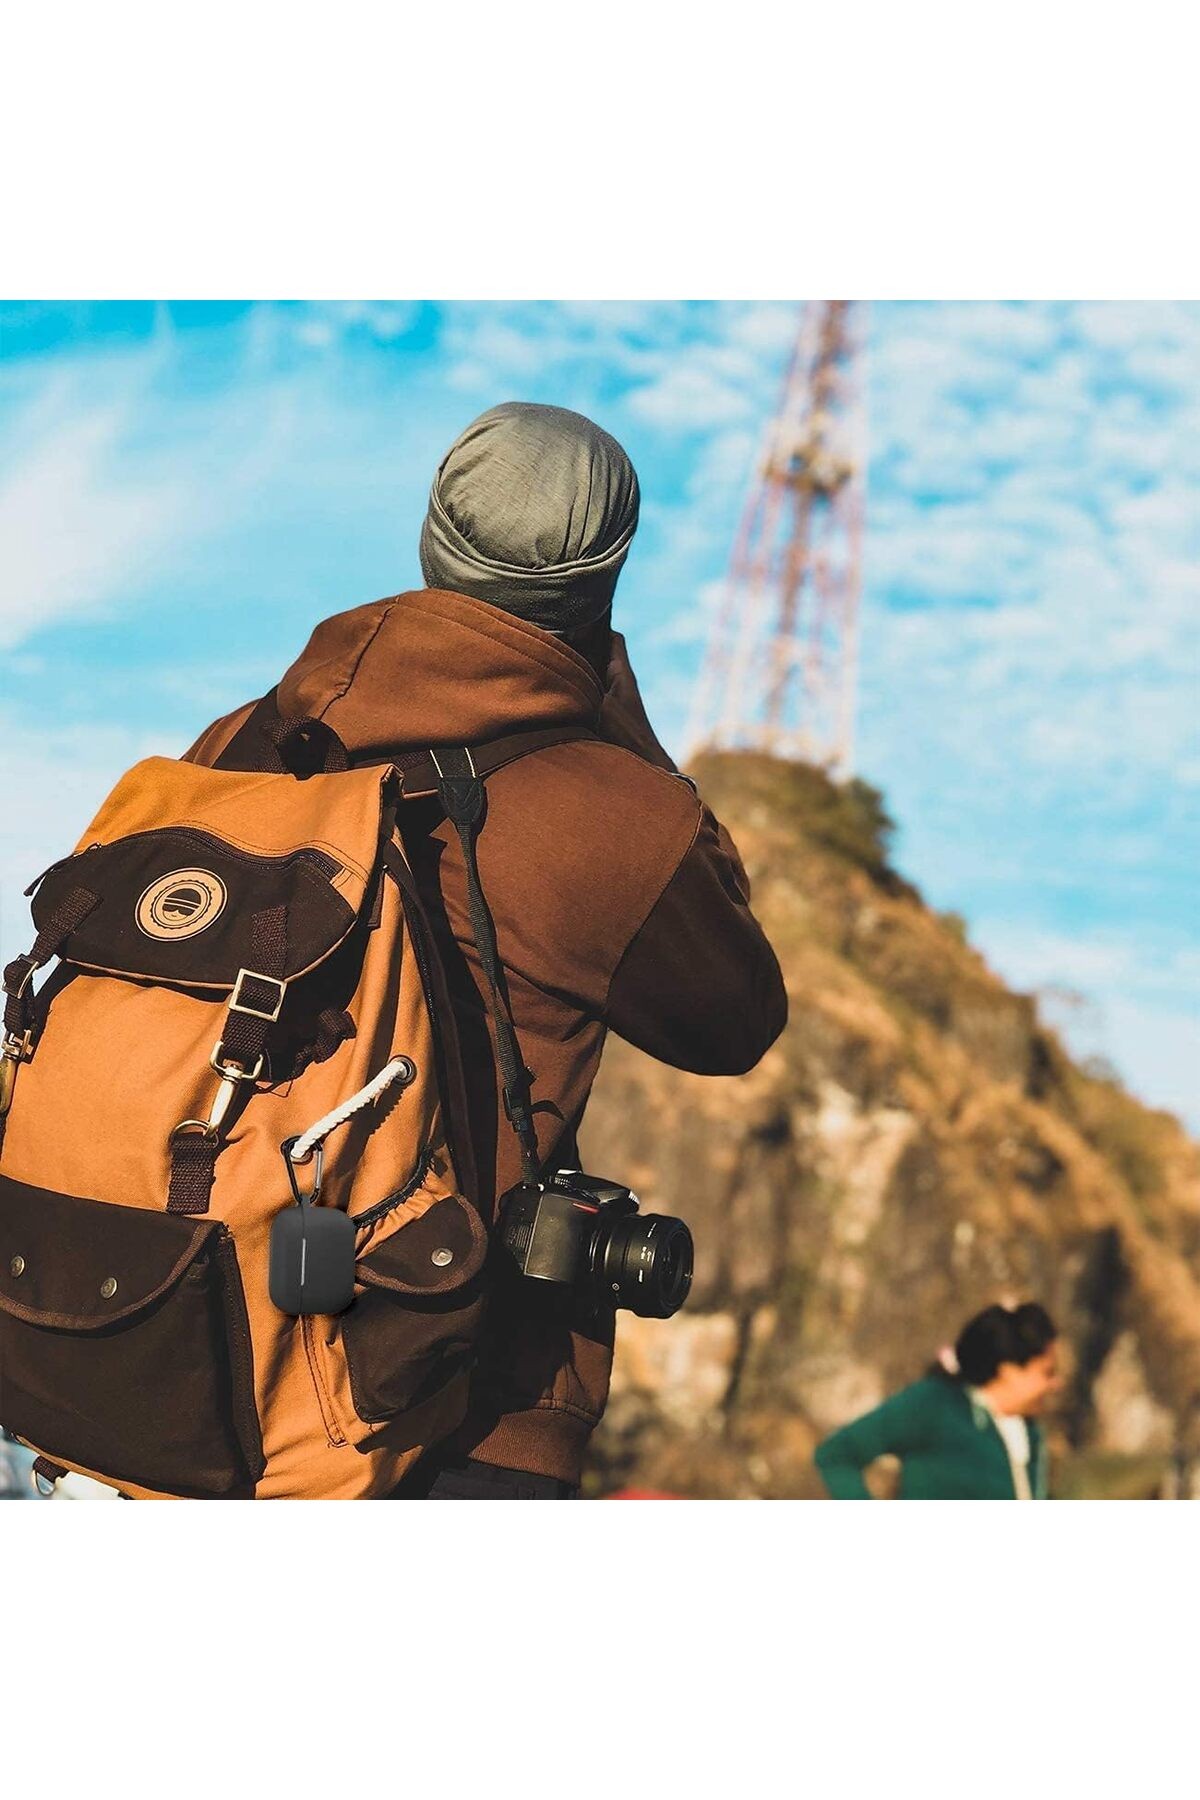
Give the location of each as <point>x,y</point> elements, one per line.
<point>400,1068</point>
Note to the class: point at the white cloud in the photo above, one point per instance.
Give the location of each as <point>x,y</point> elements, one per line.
<point>690,397</point>
<point>74,535</point>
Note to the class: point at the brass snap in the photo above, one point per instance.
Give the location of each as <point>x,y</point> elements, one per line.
<point>442,1257</point>
<point>17,1266</point>
<point>108,1288</point>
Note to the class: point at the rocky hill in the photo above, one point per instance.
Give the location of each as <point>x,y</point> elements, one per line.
<point>917,1144</point>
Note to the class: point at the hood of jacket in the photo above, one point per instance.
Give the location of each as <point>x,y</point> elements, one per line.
<point>432,667</point>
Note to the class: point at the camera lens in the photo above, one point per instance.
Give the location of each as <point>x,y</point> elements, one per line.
<point>644,1263</point>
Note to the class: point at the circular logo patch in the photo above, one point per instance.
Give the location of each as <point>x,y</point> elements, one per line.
<point>181,904</point>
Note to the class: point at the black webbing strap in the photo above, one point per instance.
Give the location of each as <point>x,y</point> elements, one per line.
<point>71,911</point>
<point>419,768</point>
<point>254,1007</point>
<point>462,794</point>
<point>258,994</point>
<point>193,1169</point>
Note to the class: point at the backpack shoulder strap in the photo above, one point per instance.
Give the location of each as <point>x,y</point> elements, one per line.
<point>420,768</point>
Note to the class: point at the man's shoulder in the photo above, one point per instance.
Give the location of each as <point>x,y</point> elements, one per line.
<point>602,832</point>
<point>589,763</point>
<point>599,792</point>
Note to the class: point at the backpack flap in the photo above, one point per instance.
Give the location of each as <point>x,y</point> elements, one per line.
<point>70,1265</point>
<point>181,861</point>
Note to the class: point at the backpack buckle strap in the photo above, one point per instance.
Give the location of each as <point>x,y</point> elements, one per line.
<point>195,1145</point>
<point>18,976</point>
<point>252,995</point>
<point>239,1057</point>
<point>18,1000</point>
<point>257,998</point>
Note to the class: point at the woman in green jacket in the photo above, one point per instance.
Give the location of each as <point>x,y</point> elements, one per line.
<point>968,1430</point>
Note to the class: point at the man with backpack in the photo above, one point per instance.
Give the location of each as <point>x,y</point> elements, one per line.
<point>386,990</point>
<point>619,901</point>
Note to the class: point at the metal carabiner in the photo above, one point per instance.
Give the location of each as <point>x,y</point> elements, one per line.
<point>317,1155</point>
<point>13,1051</point>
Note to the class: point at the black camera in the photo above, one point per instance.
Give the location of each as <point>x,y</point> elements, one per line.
<point>586,1233</point>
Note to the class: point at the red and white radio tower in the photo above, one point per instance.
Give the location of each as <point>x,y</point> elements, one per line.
<point>781,664</point>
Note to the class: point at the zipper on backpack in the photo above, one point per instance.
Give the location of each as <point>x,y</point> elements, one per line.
<point>62,862</point>
<point>326,865</point>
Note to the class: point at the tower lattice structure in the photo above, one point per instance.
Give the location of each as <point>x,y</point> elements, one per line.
<point>781,664</point>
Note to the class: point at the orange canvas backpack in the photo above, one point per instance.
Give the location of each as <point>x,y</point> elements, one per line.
<point>244,1017</point>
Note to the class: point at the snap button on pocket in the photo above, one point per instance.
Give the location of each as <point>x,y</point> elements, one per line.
<point>442,1257</point>
<point>17,1266</point>
<point>108,1287</point>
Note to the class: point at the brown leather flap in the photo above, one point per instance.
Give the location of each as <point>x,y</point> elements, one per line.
<point>179,906</point>
<point>442,1250</point>
<point>81,1265</point>
<point>180,861</point>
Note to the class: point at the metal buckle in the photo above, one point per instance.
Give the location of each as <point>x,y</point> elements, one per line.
<point>230,1075</point>
<point>231,1071</point>
<point>30,971</point>
<point>236,1003</point>
<point>206,1127</point>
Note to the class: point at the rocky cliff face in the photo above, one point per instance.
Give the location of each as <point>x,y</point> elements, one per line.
<point>916,1145</point>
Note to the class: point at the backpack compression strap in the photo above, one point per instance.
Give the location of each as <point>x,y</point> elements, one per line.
<point>237,1059</point>
<point>460,787</point>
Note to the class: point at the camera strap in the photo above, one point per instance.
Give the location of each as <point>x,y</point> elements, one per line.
<point>461,790</point>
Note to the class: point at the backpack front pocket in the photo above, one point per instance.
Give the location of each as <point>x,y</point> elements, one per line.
<point>416,1318</point>
<point>124,1343</point>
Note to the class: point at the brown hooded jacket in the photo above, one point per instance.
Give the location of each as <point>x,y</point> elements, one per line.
<point>619,903</point>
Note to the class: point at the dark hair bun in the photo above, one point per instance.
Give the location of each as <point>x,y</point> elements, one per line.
<point>1002,1334</point>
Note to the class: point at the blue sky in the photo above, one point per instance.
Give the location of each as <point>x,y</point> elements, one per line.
<point>186,489</point>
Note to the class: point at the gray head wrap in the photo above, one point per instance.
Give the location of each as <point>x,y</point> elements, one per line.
<point>533,509</point>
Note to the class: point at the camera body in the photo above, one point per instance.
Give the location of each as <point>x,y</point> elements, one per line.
<point>583,1232</point>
